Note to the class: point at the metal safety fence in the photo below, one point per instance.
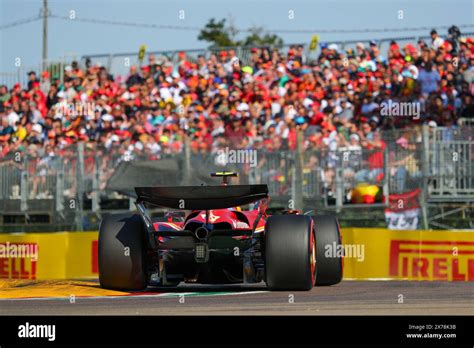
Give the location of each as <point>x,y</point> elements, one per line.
<point>69,185</point>
<point>450,156</point>
<point>19,74</point>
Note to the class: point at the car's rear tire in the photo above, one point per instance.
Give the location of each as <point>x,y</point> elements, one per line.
<point>122,252</point>
<point>328,243</point>
<point>289,252</point>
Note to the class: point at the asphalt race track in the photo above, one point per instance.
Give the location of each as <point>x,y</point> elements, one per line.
<point>347,298</point>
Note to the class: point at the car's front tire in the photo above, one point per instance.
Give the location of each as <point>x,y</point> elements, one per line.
<point>122,252</point>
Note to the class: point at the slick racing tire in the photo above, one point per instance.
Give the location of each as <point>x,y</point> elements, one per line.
<point>328,250</point>
<point>122,252</point>
<point>290,252</point>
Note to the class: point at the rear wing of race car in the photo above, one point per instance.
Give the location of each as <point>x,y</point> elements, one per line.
<point>201,197</point>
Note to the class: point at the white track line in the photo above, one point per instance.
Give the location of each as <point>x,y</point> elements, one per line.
<point>377,279</point>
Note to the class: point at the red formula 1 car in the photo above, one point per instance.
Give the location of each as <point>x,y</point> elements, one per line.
<point>216,242</point>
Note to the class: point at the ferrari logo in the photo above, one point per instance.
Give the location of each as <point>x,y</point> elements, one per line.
<point>212,217</point>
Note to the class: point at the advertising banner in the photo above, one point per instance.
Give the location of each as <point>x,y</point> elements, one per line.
<point>370,253</point>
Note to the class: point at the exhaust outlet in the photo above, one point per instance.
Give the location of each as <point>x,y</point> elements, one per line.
<point>201,233</point>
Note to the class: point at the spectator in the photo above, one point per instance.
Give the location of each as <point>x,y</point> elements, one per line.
<point>429,79</point>
<point>436,41</point>
<point>31,79</point>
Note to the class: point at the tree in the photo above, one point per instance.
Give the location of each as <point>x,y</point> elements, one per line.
<point>217,33</point>
<point>221,34</point>
<point>256,38</point>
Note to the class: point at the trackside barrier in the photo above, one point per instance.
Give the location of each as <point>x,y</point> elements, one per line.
<point>408,255</point>
<point>370,253</point>
<point>62,255</point>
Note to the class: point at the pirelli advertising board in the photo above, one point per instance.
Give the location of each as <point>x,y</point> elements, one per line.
<point>368,254</point>
<point>409,255</point>
<point>64,255</point>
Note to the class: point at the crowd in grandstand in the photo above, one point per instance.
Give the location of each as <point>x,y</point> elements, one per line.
<point>336,98</point>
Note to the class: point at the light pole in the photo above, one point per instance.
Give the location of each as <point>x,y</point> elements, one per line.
<point>45,34</point>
